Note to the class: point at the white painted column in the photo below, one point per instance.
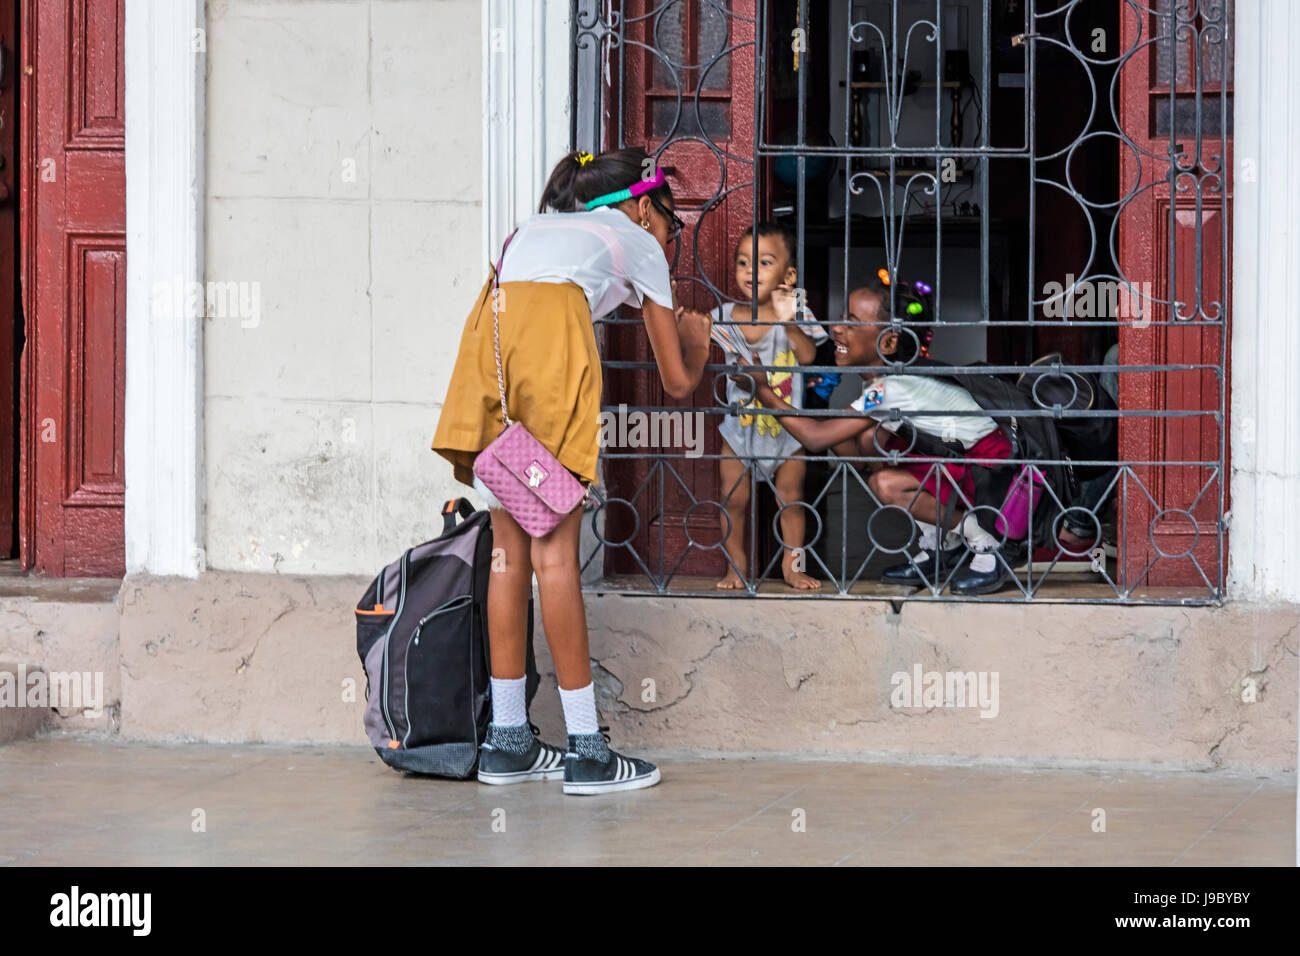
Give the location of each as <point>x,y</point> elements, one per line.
<point>525,109</point>
<point>1265,527</point>
<point>165,56</point>
<point>1264,556</point>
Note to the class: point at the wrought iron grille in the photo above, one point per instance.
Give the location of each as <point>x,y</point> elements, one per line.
<point>884,141</point>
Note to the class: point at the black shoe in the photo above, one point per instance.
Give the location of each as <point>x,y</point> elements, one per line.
<point>585,775</point>
<point>919,573</point>
<point>968,581</point>
<point>539,762</point>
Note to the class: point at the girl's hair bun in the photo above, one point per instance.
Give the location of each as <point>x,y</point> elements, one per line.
<point>580,177</point>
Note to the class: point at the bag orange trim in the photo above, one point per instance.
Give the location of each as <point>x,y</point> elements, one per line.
<point>378,609</point>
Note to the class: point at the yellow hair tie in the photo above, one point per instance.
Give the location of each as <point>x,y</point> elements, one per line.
<point>583,158</point>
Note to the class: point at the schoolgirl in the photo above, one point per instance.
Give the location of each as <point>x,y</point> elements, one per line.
<point>604,244</point>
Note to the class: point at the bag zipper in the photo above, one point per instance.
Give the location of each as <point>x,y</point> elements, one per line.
<point>383,696</point>
<point>453,604</point>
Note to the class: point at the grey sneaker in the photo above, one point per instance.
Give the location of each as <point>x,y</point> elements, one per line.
<point>503,759</point>
<point>590,767</point>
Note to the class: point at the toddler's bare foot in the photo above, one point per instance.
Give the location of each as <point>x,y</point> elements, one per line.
<point>797,579</point>
<point>731,582</point>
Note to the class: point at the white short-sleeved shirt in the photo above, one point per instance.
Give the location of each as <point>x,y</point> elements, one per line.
<point>914,393</point>
<point>614,260</point>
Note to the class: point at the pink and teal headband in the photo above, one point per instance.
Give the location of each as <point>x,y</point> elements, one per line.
<point>636,189</point>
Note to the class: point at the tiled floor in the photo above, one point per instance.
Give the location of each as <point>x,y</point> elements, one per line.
<point>81,801</point>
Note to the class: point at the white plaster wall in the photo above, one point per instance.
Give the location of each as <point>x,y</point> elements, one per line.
<point>319,417</point>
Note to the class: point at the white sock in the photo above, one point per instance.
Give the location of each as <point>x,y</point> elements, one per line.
<point>508,708</point>
<point>929,537</point>
<point>580,710</point>
<point>982,543</point>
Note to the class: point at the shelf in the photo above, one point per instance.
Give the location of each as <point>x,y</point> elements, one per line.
<point>882,173</point>
<point>869,231</point>
<point>927,84</point>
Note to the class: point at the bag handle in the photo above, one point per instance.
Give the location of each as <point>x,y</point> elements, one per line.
<point>452,508</point>
<point>496,329</point>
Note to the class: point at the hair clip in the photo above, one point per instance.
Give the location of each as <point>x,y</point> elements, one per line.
<point>583,158</point>
<point>883,275</point>
<point>922,287</point>
<point>915,308</point>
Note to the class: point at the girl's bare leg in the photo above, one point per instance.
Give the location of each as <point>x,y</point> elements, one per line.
<point>894,486</point>
<point>559,586</point>
<point>509,586</point>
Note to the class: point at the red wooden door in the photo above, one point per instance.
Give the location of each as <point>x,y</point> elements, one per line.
<point>714,190</point>
<point>10,314</point>
<point>1171,510</point>
<point>74,287</point>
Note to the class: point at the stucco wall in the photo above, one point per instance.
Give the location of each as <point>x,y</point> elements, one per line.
<point>344,180</point>
<point>69,626</point>
<point>235,657</point>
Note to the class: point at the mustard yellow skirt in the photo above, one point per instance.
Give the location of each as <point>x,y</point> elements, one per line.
<point>552,372</point>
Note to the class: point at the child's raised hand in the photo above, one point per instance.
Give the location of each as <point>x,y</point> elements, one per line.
<point>784,301</point>
<point>748,376</point>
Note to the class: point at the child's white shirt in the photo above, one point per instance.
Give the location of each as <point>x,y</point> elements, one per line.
<point>754,433</point>
<point>914,393</point>
<point>773,348</point>
<point>614,260</point>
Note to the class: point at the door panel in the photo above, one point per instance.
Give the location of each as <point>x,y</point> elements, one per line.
<point>1175,235</point>
<point>10,309</point>
<point>75,293</point>
<point>715,197</point>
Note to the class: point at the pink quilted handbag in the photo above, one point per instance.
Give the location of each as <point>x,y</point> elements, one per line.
<point>528,480</point>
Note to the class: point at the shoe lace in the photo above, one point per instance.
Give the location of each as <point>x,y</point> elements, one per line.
<point>604,732</point>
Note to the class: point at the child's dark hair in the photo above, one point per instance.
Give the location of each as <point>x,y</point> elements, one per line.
<point>574,183</point>
<point>909,346</point>
<point>766,230</point>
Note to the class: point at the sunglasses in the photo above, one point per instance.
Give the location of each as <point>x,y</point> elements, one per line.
<point>675,224</point>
